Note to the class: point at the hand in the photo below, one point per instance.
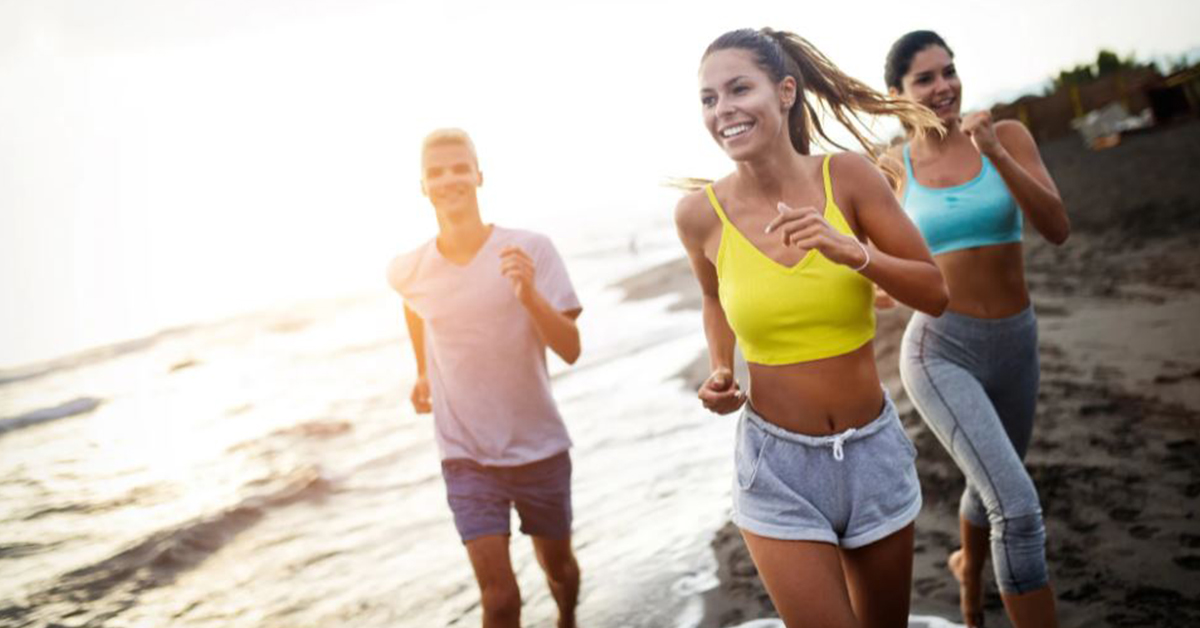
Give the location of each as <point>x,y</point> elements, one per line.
<point>516,264</point>
<point>978,126</point>
<point>883,300</point>
<point>420,396</point>
<point>806,228</point>
<point>720,392</point>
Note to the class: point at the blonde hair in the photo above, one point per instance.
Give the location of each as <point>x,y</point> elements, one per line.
<point>446,137</point>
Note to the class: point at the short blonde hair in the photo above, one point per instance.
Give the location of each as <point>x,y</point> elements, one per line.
<point>448,136</point>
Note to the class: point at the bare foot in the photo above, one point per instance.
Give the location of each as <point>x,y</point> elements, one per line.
<point>970,593</point>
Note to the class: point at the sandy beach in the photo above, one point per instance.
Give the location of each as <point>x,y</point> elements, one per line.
<point>1115,454</point>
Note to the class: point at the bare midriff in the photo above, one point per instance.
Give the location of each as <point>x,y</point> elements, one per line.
<point>985,282</point>
<point>820,397</point>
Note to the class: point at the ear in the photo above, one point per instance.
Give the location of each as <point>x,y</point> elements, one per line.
<point>480,184</point>
<point>893,92</point>
<point>787,93</point>
<point>424,190</point>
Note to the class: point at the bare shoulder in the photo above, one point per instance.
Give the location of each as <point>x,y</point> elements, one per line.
<point>694,217</point>
<point>854,174</point>
<point>1013,133</point>
<point>848,164</point>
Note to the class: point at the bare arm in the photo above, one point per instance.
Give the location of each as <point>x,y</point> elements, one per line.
<point>720,392</point>
<point>1013,151</point>
<point>416,333</point>
<point>894,256</point>
<point>901,264</point>
<point>556,328</point>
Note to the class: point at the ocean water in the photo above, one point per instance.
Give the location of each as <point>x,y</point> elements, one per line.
<point>268,471</point>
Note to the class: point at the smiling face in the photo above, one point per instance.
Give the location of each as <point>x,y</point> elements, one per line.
<point>932,80</point>
<point>744,110</point>
<point>449,177</point>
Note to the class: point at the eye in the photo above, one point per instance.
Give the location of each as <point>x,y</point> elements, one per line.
<point>951,71</point>
<point>433,173</point>
<point>740,89</point>
<point>461,169</point>
<point>708,101</point>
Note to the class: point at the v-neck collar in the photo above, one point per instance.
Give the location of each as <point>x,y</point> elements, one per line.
<point>805,260</point>
<point>478,252</point>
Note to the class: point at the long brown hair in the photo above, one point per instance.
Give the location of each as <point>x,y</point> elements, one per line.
<point>781,54</point>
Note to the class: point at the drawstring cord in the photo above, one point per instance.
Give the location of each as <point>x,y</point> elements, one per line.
<point>838,453</point>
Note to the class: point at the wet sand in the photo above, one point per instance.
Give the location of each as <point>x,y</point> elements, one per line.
<point>1116,446</point>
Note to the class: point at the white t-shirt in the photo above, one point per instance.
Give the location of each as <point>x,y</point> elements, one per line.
<point>484,359</point>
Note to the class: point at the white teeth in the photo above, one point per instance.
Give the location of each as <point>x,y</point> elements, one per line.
<point>735,130</point>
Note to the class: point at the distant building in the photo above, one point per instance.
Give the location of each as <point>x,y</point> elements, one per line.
<point>1049,117</point>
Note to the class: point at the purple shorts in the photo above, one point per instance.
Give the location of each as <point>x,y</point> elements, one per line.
<point>481,497</point>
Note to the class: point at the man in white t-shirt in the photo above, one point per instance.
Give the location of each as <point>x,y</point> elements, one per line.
<point>482,303</point>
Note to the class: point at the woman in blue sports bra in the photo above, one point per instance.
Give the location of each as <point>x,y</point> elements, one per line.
<point>972,373</point>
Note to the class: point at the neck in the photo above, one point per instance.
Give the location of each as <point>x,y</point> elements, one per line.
<point>461,234</point>
<point>771,174</point>
<point>933,143</point>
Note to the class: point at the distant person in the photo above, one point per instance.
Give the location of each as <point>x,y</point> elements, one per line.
<point>482,303</point>
<point>973,372</point>
<point>785,249</point>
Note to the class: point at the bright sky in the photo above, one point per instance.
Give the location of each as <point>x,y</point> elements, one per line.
<point>167,161</point>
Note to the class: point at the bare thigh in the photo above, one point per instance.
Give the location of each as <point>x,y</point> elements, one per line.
<point>879,578</point>
<point>805,581</point>
<point>498,587</point>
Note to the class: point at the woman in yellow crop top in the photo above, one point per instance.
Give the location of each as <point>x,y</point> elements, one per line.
<point>786,249</point>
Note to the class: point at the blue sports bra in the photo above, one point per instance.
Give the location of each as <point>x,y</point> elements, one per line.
<point>980,212</point>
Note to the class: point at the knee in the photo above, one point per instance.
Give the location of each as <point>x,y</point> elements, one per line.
<point>502,602</point>
<point>563,572</point>
<point>1024,530</point>
<point>1019,549</point>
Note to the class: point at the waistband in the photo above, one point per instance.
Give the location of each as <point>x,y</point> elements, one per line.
<point>888,413</point>
<point>954,320</point>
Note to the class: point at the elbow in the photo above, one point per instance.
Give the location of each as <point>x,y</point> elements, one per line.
<point>938,304</point>
<point>1058,229</point>
<point>570,354</point>
<point>939,297</point>
<point>1060,235</point>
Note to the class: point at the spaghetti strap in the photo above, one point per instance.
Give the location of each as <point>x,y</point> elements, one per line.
<point>716,205</point>
<point>828,182</point>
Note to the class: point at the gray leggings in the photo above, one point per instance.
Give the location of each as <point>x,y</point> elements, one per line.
<point>975,383</point>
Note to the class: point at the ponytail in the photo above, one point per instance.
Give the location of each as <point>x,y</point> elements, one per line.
<point>781,54</point>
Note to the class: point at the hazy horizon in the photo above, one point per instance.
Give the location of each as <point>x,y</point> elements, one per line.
<point>171,162</point>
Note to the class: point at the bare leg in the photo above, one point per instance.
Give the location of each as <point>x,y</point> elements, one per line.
<point>966,563</point>
<point>562,574</point>
<point>1034,609</point>
<point>499,594</point>
<point>805,581</point>
<point>879,577</point>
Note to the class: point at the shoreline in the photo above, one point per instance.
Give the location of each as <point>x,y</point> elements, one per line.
<point>1115,454</point>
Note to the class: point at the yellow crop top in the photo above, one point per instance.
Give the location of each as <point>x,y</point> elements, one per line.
<point>784,315</point>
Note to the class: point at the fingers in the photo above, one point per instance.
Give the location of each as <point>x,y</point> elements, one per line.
<point>802,231</point>
<point>516,265</point>
<point>420,398</point>
<point>511,251</point>
<point>720,393</point>
<point>787,215</point>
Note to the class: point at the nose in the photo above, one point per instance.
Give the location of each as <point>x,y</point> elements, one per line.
<point>723,108</point>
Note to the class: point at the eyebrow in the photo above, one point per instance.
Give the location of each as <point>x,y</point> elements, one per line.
<point>727,83</point>
<point>941,69</point>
